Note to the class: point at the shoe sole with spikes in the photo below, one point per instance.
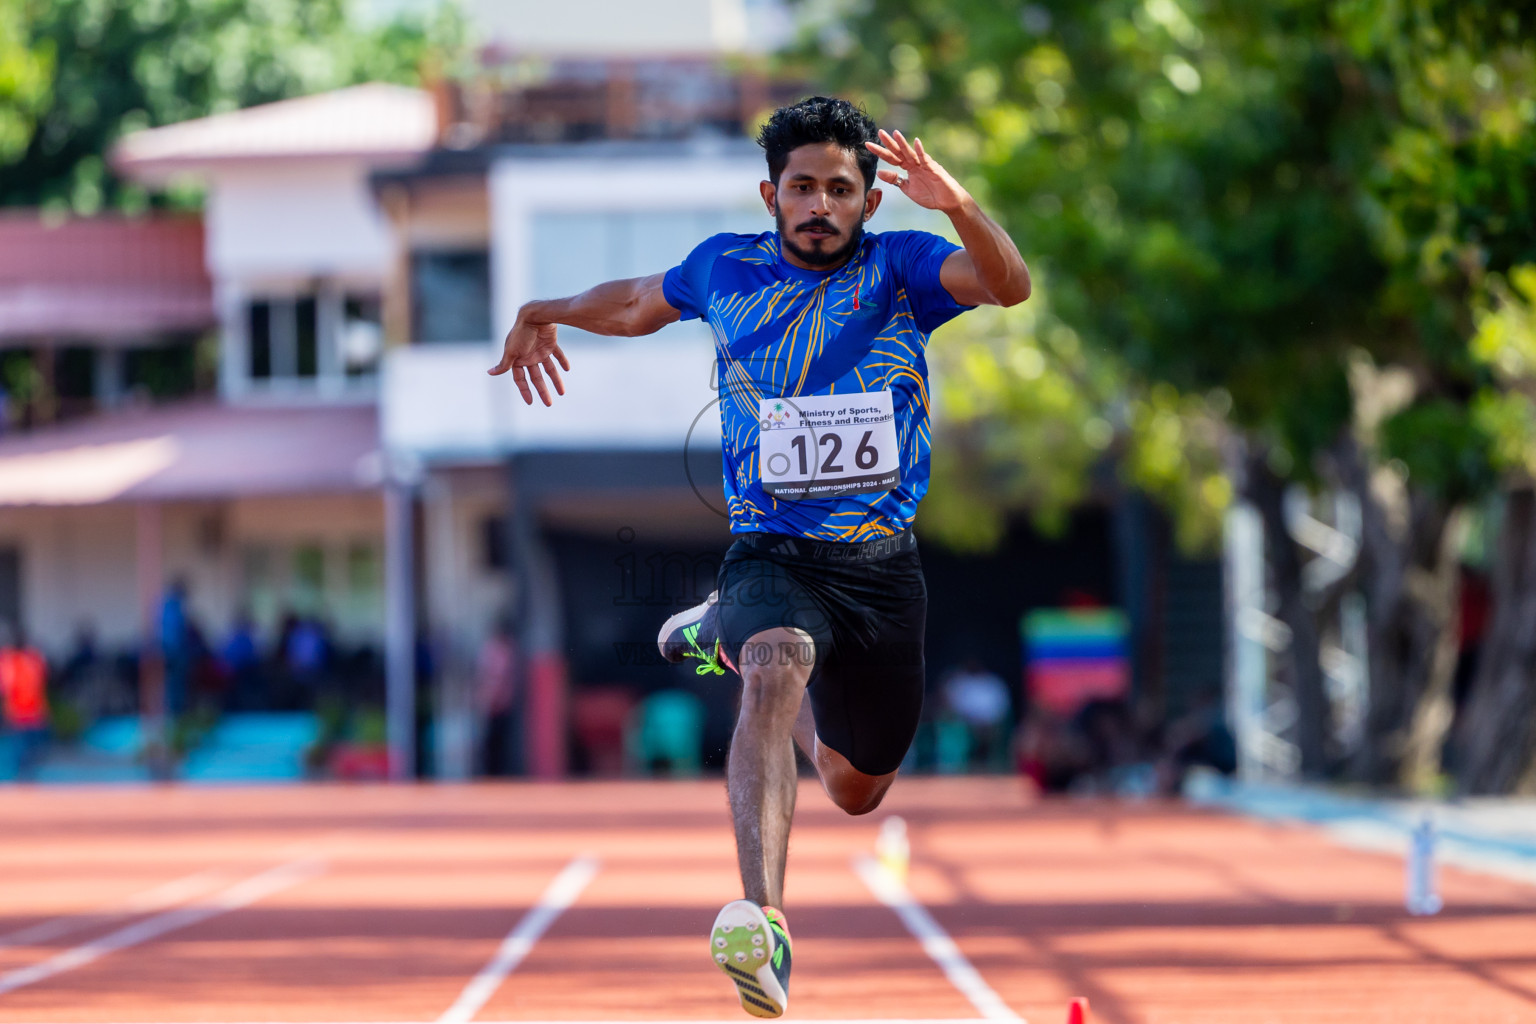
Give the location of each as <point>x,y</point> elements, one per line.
<point>742,944</point>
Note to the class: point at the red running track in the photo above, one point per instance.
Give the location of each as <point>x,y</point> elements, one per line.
<point>385,903</point>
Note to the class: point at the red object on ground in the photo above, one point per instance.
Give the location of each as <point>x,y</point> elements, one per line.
<point>1077,1013</point>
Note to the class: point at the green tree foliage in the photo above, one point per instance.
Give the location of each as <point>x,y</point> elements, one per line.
<point>1506,341</point>
<point>1450,204</point>
<point>25,68</point>
<point>1028,417</point>
<point>75,75</point>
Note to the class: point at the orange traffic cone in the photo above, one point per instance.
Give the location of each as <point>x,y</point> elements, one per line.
<point>1077,1013</point>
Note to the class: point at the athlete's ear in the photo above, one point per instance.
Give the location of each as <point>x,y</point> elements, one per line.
<point>770,193</point>
<point>872,199</point>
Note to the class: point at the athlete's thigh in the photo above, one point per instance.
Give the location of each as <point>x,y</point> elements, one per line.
<point>868,699</point>
<point>758,595</point>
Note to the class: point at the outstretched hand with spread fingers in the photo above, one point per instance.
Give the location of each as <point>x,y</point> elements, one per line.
<point>530,352</point>
<point>926,182</point>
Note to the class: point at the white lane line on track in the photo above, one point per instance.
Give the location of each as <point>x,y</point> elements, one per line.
<point>146,902</point>
<point>934,939</point>
<point>561,893</point>
<point>241,894</point>
<point>734,1020</point>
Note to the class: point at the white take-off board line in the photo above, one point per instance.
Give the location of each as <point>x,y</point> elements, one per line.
<point>241,894</point>
<point>934,939</point>
<point>563,891</point>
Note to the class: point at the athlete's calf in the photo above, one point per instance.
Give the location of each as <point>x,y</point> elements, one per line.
<point>760,772</point>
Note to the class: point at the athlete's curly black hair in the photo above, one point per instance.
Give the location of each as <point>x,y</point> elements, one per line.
<point>819,119</point>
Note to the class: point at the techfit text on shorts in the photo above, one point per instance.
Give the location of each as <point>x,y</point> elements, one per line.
<point>866,607</point>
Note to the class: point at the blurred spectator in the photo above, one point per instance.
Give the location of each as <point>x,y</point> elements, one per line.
<point>495,688</point>
<point>88,680</point>
<point>24,700</point>
<point>1200,737</point>
<point>175,647</point>
<point>82,657</point>
<point>979,699</point>
<point>1048,753</point>
<point>241,661</point>
<point>1114,755</point>
<point>209,681</point>
<point>306,655</point>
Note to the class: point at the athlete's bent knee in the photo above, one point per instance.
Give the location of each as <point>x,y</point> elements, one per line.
<point>859,795</point>
<point>774,685</point>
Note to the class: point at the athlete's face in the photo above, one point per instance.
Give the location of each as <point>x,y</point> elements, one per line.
<point>820,205</point>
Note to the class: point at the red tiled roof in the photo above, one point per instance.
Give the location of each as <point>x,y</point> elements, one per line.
<point>102,277</point>
<point>196,450</point>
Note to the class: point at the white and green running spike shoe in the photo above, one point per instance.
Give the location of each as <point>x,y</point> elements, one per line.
<point>692,634</point>
<point>751,945</point>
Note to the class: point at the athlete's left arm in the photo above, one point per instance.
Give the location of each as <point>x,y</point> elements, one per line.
<point>989,269</point>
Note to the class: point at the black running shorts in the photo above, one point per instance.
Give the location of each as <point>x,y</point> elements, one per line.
<point>866,607</point>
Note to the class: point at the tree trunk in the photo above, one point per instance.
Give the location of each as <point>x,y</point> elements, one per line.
<point>1302,658</point>
<point>1408,573</point>
<point>1498,731</point>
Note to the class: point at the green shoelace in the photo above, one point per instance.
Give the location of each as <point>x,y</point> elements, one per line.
<point>711,659</point>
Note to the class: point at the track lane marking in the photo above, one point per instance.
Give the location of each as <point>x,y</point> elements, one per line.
<point>241,894</point>
<point>563,891</point>
<point>148,901</point>
<point>934,939</point>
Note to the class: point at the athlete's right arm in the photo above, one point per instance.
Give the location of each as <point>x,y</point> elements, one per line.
<point>624,308</point>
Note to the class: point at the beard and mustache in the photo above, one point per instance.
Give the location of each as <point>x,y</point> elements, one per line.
<point>819,257</point>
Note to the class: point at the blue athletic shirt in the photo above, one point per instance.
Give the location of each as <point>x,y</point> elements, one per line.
<point>784,332</point>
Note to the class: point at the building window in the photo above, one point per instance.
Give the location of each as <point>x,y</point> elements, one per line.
<point>306,339</point>
<point>362,334</point>
<point>493,543</point>
<point>284,339</point>
<point>261,340</point>
<point>314,337</point>
<point>10,587</point>
<point>451,295</point>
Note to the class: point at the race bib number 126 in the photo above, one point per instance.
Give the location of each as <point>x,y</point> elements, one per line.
<point>827,446</point>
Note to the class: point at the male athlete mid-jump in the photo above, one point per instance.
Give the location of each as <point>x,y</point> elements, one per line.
<point>819,333</point>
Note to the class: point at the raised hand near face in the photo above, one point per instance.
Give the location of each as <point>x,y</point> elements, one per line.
<point>926,182</point>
